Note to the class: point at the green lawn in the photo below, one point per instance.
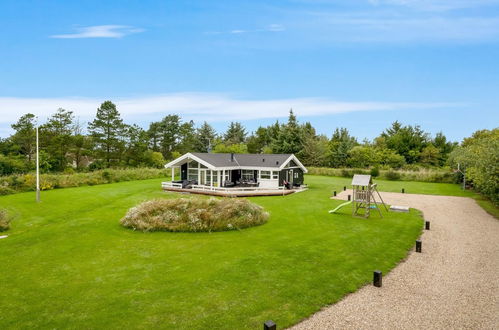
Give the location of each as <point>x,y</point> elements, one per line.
<point>68,263</point>
<point>414,187</point>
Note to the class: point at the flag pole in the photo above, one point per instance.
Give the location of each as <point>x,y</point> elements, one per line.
<point>37,167</point>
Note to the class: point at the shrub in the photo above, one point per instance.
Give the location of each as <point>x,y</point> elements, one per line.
<point>415,174</point>
<point>392,175</point>
<point>374,172</point>
<point>4,220</point>
<point>19,183</point>
<point>194,215</point>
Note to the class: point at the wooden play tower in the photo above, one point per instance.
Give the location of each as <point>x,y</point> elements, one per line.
<point>363,196</point>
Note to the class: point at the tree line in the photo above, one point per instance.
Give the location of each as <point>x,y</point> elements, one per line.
<point>107,141</point>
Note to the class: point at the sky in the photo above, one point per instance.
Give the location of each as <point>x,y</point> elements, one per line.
<point>359,64</point>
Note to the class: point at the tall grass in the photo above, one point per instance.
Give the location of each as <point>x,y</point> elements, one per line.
<point>4,220</point>
<point>194,215</point>
<point>27,182</point>
<point>423,175</point>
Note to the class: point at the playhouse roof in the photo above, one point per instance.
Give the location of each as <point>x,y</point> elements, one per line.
<point>361,180</point>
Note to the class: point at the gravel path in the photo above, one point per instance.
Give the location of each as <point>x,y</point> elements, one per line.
<point>453,284</point>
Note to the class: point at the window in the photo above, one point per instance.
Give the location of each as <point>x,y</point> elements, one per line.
<point>275,175</point>
<point>247,175</point>
<point>192,174</point>
<point>264,174</point>
<point>296,175</point>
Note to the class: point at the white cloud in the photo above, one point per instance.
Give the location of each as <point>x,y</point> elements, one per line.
<point>270,28</point>
<point>197,106</point>
<point>100,31</point>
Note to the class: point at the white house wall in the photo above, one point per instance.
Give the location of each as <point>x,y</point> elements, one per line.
<point>269,183</point>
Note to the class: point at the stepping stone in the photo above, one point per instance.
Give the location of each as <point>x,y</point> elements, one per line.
<point>397,208</point>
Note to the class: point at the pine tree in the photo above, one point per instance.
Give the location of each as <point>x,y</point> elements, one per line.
<point>205,138</point>
<point>290,137</point>
<point>236,134</point>
<point>107,132</point>
<point>25,136</point>
<point>339,147</point>
<point>56,135</point>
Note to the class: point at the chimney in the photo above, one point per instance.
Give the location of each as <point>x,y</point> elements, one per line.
<point>232,157</point>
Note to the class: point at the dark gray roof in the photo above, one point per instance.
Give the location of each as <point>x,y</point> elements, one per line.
<point>250,160</point>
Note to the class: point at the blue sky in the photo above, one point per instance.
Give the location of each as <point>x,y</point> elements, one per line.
<point>347,63</point>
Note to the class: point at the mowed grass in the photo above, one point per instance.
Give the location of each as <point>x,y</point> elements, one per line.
<point>68,263</point>
<point>414,187</point>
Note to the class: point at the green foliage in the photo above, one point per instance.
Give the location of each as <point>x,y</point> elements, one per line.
<point>374,172</point>
<point>236,134</point>
<point>392,175</point>
<point>20,183</point>
<point>289,139</point>
<point>13,164</point>
<point>194,215</point>
<point>315,150</point>
<point>204,138</point>
<point>56,137</point>
<point>407,141</point>
<point>112,143</point>
<point>4,220</point>
<point>260,141</point>
<point>155,159</point>
<point>430,155</point>
<point>363,156</point>
<point>25,137</point>
<point>339,147</point>
<point>171,135</point>
<point>422,175</point>
<point>479,156</point>
<point>239,148</point>
<point>107,133</point>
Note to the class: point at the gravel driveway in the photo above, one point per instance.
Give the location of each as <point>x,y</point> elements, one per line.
<point>453,284</point>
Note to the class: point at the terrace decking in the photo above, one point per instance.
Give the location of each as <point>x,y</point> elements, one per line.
<point>228,192</point>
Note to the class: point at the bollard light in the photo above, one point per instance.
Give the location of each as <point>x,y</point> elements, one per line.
<point>377,278</point>
<point>418,246</point>
<point>349,197</point>
<point>427,225</point>
<point>269,325</point>
<point>403,190</point>
<point>344,188</point>
<point>334,193</point>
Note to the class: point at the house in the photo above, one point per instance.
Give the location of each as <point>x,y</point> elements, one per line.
<point>256,171</point>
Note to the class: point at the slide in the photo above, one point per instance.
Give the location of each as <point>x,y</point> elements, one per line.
<point>340,206</point>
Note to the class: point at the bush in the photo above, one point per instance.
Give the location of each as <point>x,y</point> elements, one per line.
<point>194,215</point>
<point>27,182</point>
<point>479,155</point>
<point>374,172</point>
<point>4,220</point>
<point>392,175</point>
<point>416,174</point>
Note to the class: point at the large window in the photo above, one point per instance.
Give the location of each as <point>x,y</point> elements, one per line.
<point>265,175</point>
<point>275,175</point>
<point>192,174</point>
<point>247,175</point>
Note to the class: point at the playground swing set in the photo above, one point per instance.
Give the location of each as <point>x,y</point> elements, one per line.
<point>363,197</point>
